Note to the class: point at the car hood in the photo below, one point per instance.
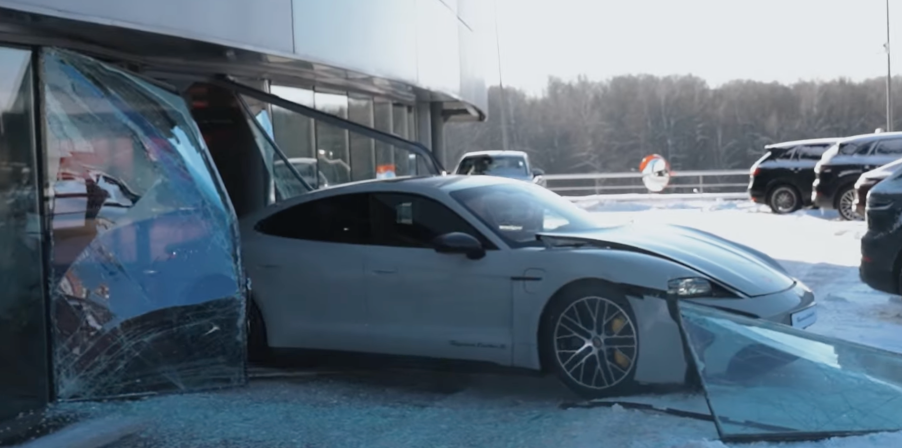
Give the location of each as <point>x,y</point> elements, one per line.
<point>883,172</point>
<point>734,265</point>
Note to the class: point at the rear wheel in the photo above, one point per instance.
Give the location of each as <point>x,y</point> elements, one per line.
<point>845,204</point>
<point>784,199</point>
<point>590,339</point>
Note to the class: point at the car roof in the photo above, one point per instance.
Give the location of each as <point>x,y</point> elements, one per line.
<point>871,137</point>
<point>494,152</point>
<point>811,141</point>
<point>448,183</point>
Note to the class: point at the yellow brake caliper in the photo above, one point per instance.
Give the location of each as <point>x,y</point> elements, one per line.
<point>622,360</point>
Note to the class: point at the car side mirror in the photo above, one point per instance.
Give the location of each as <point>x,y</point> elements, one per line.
<point>536,172</point>
<point>459,243</point>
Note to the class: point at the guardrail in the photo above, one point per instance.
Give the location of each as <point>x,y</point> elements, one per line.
<point>700,181</point>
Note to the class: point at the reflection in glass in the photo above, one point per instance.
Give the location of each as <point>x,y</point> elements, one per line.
<point>769,381</point>
<point>385,157</point>
<point>400,128</point>
<point>332,150</point>
<point>363,163</point>
<point>23,353</point>
<point>146,288</point>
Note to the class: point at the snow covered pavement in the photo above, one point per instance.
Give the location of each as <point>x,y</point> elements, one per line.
<point>419,409</point>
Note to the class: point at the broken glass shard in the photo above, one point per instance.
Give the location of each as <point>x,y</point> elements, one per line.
<point>766,381</point>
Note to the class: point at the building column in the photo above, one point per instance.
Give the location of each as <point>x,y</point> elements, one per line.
<point>424,124</point>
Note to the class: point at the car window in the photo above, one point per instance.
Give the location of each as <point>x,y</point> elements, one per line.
<point>516,213</point>
<point>337,219</point>
<point>408,220</point>
<point>857,149</point>
<point>783,154</point>
<point>810,152</point>
<point>889,148</point>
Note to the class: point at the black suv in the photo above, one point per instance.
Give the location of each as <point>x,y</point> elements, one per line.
<point>844,162</point>
<point>782,178</point>
<point>881,246</point>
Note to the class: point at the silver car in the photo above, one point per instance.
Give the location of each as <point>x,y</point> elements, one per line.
<point>490,269</point>
<point>510,164</point>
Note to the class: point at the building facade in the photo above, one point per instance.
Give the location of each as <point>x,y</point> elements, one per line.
<point>133,136</point>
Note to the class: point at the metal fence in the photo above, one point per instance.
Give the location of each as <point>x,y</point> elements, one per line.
<point>704,182</point>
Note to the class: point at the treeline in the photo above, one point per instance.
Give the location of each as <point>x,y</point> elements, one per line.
<point>608,126</point>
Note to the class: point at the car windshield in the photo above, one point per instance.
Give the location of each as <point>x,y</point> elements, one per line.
<point>517,213</point>
<point>505,166</point>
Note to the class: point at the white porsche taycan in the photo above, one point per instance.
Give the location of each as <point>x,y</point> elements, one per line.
<point>491,269</point>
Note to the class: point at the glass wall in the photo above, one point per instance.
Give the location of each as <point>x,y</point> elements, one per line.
<point>332,148</point>
<point>325,155</point>
<point>385,157</point>
<point>146,288</point>
<point>363,163</point>
<point>24,373</point>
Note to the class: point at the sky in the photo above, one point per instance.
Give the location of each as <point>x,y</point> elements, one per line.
<point>717,40</point>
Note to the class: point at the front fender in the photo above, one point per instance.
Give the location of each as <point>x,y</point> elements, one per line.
<point>641,276</point>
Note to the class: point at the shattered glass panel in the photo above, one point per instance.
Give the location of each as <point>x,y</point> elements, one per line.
<point>146,286</point>
<point>766,381</point>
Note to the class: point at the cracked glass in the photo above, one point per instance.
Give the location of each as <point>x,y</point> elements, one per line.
<point>146,286</point>
<point>766,381</point>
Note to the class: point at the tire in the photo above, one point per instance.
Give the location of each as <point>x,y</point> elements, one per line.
<point>258,350</point>
<point>784,199</point>
<point>590,364</point>
<point>845,204</point>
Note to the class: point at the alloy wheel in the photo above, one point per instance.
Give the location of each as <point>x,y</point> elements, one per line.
<point>595,342</point>
<point>847,206</point>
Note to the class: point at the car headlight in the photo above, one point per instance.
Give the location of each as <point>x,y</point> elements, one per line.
<point>685,288</point>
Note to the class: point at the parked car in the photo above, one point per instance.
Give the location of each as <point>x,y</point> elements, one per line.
<point>881,245</point>
<point>489,269</point>
<point>510,164</point>
<point>842,164</point>
<point>867,181</point>
<point>782,177</point>
<point>307,167</point>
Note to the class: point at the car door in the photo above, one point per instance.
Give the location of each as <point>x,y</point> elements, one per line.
<point>425,303</point>
<point>306,268</point>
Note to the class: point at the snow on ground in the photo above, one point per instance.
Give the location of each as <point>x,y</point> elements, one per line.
<point>418,409</point>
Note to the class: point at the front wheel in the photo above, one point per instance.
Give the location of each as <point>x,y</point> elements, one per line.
<point>845,204</point>
<point>590,339</point>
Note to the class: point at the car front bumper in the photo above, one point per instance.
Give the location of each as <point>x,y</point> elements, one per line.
<point>793,306</point>
<point>878,257</point>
